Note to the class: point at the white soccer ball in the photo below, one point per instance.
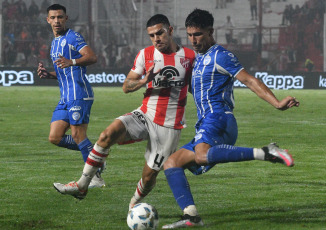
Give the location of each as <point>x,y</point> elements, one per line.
<point>142,216</point>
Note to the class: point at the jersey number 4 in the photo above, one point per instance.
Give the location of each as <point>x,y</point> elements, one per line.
<point>158,161</point>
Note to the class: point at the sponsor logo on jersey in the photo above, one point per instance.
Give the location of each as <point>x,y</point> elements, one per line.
<point>56,55</point>
<point>207,60</point>
<point>168,77</point>
<point>11,77</point>
<point>76,116</point>
<point>140,117</point>
<point>199,135</point>
<point>185,62</point>
<point>75,108</point>
<point>63,43</point>
<point>154,61</point>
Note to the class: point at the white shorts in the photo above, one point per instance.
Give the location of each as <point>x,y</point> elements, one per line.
<point>162,141</point>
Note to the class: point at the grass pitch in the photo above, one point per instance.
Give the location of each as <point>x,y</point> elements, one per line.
<point>246,195</point>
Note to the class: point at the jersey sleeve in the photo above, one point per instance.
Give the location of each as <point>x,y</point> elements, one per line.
<point>229,62</point>
<point>139,63</point>
<point>78,41</point>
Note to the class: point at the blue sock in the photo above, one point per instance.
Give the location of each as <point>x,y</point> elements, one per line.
<point>68,142</point>
<point>180,187</point>
<point>85,147</point>
<point>228,153</point>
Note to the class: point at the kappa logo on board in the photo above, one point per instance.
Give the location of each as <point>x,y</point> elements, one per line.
<point>11,77</point>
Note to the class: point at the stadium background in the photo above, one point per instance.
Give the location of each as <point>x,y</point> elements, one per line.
<point>248,195</point>
<point>279,43</point>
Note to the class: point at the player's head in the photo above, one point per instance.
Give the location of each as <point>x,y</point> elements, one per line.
<point>199,26</point>
<point>160,32</point>
<point>57,18</point>
<point>56,7</point>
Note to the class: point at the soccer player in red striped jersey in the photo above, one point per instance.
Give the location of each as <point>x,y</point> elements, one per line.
<point>166,67</point>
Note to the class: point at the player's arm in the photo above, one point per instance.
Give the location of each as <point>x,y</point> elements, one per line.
<point>135,81</point>
<point>264,92</point>
<point>43,73</point>
<point>88,58</point>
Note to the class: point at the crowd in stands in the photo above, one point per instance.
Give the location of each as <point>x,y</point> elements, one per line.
<point>27,38</point>
<point>25,33</point>
<point>301,37</point>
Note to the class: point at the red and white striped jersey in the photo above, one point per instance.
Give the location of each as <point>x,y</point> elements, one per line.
<point>166,96</point>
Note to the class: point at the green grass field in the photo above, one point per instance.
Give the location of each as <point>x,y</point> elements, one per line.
<point>246,195</point>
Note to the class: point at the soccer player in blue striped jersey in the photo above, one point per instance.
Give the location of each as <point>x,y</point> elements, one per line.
<point>70,55</point>
<point>213,76</point>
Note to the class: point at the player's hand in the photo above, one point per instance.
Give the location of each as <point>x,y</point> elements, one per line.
<point>288,102</point>
<point>63,62</point>
<point>42,72</point>
<point>150,75</point>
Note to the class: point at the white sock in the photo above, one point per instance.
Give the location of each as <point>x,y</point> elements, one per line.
<point>95,160</point>
<point>259,154</point>
<point>190,210</point>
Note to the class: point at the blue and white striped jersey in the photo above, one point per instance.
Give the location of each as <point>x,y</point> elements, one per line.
<point>212,81</point>
<point>72,80</point>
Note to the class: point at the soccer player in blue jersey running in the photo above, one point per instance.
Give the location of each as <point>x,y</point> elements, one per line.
<point>70,55</point>
<point>213,76</point>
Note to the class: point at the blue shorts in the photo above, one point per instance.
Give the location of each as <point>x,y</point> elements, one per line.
<point>75,112</point>
<point>214,129</point>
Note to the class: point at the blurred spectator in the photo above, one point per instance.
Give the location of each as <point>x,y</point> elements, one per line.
<point>5,5</point>
<point>253,9</point>
<point>309,65</point>
<point>317,28</point>
<point>228,26</point>
<point>126,58</point>
<point>98,45</point>
<point>9,53</point>
<point>33,10</point>
<point>12,11</point>
<point>23,46</point>
<point>287,15</point>
<point>123,38</point>
<point>32,59</point>
<point>45,4</point>
<point>283,61</point>
<point>39,40</point>
<point>21,10</point>
<point>43,55</point>
<point>292,58</point>
<point>220,4</point>
<point>296,13</point>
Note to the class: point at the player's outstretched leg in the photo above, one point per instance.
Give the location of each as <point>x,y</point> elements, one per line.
<point>70,189</point>
<point>95,160</point>
<point>98,181</point>
<point>186,221</point>
<point>181,190</point>
<point>276,155</point>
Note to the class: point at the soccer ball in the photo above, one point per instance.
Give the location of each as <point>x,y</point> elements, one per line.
<point>142,216</point>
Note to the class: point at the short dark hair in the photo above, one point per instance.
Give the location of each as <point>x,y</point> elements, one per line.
<point>200,18</point>
<point>158,19</point>
<point>56,7</point>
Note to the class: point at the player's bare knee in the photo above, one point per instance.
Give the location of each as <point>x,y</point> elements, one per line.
<point>201,159</point>
<point>54,140</point>
<point>170,163</point>
<point>104,137</point>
